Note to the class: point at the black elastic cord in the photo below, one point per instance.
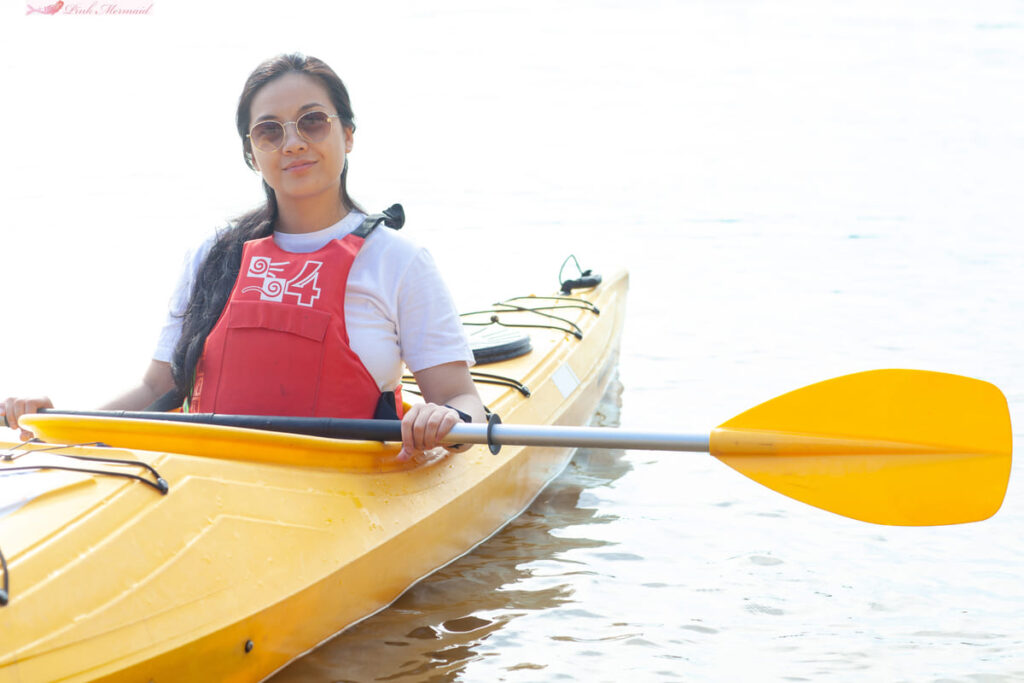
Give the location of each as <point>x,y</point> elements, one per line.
<point>512,308</point>
<point>478,377</point>
<point>6,592</point>
<point>10,455</point>
<point>160,484</point>
<point>507,307</point>
<point>116,461</point>
<point>567,302</point>
<point>572,328</point>
<point>499,380</point>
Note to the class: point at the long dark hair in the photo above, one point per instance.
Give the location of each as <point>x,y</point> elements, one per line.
<point>217,274</point>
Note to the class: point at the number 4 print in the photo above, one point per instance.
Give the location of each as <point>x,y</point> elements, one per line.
<point>304,285</point>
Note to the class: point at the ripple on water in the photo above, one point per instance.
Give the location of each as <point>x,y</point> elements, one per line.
<point>465,624</point>
<point>755,608</point>
<point>423,633</point>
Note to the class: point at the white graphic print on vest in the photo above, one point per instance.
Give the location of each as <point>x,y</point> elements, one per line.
<point>273,288</point>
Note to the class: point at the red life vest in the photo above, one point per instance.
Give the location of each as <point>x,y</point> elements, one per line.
<point>280,346</point>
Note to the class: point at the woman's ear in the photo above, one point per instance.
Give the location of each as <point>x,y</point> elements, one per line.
<point>250,157</point>
<point>348,139</point>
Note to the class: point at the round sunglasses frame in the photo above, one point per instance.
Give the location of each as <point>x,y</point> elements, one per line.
<point>298,130</point>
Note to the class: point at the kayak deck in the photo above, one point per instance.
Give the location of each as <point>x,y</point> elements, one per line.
<point>251,559</point>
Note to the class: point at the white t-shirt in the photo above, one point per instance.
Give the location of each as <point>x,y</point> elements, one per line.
<point>397,307</point>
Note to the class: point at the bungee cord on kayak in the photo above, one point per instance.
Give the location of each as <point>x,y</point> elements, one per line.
<point>158,482</point>
<point>496,320</point>
<point>510,306</point>
<point>490,345</point>
<point>160,485</point>
<point>500,380</point>
<point>506,307</point>
<point>5,593</point>
<point>19,451</point>
<point>479,377</point>
<point>565,302</point>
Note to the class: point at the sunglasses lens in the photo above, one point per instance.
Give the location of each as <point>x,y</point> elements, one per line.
<point>314,125</point>
<point>267,135</point>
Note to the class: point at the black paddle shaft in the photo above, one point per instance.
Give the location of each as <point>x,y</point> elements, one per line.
<point>329,427</point>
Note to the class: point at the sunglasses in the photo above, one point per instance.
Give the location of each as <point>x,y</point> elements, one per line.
<point>314,126</point>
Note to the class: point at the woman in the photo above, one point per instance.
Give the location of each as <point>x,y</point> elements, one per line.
<point>303,307</point>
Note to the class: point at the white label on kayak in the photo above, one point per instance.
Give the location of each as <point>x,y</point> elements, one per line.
<point>566,380</point>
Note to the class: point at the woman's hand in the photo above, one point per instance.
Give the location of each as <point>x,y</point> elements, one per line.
<point>423,428</point>
<point>13,408</point>
<point>156,382</point>
<point>426,424</point>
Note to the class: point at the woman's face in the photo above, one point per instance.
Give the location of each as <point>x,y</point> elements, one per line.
<point>299,169</point>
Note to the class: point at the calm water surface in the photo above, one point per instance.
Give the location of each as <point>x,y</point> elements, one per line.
<point>799,191</point>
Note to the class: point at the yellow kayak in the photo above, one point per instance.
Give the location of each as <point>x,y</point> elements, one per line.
<point>218,553</point>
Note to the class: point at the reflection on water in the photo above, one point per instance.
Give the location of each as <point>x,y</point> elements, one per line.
<point>440,625</point>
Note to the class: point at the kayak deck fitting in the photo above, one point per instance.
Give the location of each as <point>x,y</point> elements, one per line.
<point>264,545</point>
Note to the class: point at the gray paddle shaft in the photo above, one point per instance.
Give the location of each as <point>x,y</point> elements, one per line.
<point>578,437</point>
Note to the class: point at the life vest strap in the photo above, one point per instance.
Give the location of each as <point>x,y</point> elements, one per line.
<point>393,217</point>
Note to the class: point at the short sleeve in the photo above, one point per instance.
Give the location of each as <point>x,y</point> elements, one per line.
<point>429,328</point>
<point>170,332</point>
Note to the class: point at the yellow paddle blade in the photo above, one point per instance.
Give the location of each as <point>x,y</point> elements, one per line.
<point>900,447</point>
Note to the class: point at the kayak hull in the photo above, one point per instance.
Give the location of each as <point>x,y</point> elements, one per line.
<point>250,559</point>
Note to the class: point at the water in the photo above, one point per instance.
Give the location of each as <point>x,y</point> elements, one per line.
<point>798,191</point>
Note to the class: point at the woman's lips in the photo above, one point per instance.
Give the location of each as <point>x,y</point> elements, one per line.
<point>300,166</point>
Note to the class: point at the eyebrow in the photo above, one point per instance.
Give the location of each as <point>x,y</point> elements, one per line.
<point>311,105</point>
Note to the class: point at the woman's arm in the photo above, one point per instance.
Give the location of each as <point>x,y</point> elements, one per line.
<point>155,383</point>
<point>448,384</point>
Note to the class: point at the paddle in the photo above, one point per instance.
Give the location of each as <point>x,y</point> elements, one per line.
<point>898,447</point>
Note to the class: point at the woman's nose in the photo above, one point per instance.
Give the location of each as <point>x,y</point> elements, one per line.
<point>292,140</point>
